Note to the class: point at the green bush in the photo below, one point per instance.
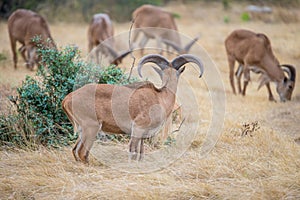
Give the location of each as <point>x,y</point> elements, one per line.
<point>245,17</point>
<point>2,57</point>
<point>38,117</point>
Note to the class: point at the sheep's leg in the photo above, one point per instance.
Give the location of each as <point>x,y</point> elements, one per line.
<point>142,150</point>
<point>88,136</point>
<point>13,49</point>
<point>166,129</point>
<point>78,144</point>
<point>90,46</point>
<point>238,75</point>
<point>97,55</point>
<point>74,150</point>
<point>246,79</point>
<point>133,147</point>
<point>168,49</point>
<point>135,34</point>
<point>31,53</point>
<point>143,43</point>
<point>271,97</point>
<point>22,50</point>
<point>231,62</point>
<point>159,45</point>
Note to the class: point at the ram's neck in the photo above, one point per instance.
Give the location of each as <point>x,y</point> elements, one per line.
<point>168,96</point>
<point>273,69</point>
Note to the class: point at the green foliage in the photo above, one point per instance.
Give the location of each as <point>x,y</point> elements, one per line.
<point>245,17</point>
<point>2,57</point>
<point>226,4</point>
<point>119,10</point>
<point>38,117</point>
<point>226,19</point>
<point>176,15</point>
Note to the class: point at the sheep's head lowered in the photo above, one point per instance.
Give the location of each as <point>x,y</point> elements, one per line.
<point>138,109</point>
<point>253,52</point>
<point>286,86</point>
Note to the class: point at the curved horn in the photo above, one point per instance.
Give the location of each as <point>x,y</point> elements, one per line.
<point>189,45</point>
<point>173,45</point>
<point>112,52</point>
<point>290,70</point>
<point>159,60</point>
<point>186,58</point>
<point>120,57</point>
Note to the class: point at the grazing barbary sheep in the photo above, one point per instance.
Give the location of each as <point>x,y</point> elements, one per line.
<point>289,69</point>
<point>160,25</point>
<point>23,26</point>
<point>101,29</point>
<point>138,109</point>
<point>253,51</point>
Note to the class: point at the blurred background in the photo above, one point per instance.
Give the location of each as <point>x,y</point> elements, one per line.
<point>119,10</point>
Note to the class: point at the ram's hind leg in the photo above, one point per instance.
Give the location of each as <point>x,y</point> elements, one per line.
<point>74,150</point>
<point>143,43</point>
<point>238,75</point>
<point>88,136</point>
<point>231,62</point>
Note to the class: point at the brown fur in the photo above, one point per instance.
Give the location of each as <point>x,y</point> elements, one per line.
<point>254,50</point>
<point>148,17</point>
<point>138,109</point>
<point>155,23</point>
<point>23,25</point>
<point>100,29</point>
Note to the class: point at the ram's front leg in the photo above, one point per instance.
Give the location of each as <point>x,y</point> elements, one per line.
<point>246,78</point>
<point>136,144</point>
<point>142,150</point>
<point>133,148</point>
<point>271,97</point>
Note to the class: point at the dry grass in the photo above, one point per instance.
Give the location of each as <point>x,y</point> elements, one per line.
<point>263,164</point>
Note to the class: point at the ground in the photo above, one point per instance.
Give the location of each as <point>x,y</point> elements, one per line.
<point>261,163</point>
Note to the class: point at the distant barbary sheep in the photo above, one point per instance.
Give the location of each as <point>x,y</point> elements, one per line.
<point>23,26</point>
<point>253,52</point>
<point>100,35</point>
<point>155,23</point>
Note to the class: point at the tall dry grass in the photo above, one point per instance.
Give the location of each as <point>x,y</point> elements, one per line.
<point>262,164</point>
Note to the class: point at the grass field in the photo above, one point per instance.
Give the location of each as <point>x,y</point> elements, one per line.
<point>262,164</point>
